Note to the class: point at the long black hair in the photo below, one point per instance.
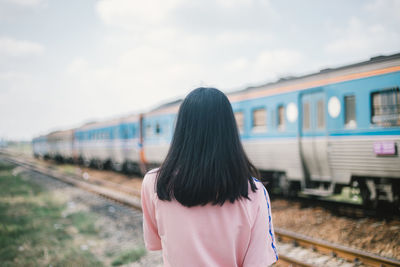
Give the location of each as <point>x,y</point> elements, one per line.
<point>206,162</point>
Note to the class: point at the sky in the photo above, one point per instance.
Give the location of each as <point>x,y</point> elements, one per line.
<point>64,63</point>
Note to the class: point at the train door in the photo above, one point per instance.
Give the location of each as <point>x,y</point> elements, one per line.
<point>313,137</point>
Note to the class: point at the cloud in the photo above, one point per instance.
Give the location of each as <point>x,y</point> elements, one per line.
<point>278,61</point>
<point>19,48</point>
<point>212,17</point>
<point>373,32</point>
<point>361,39</point>
<point>146,75</point>
<point>267,65</point>
<point>8,75</point>
<point>77,66</point>
<point>206,16</point>
<point>25,3</point>
<point>386,11</point>
<point>134,14</point>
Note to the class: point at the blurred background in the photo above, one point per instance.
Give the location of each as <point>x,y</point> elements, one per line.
<point>63,63</point>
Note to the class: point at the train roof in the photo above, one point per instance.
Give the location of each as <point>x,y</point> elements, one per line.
<point>99,124</point>
<point>377,59</point>
<point>325,76</point>
<point>60,133</point>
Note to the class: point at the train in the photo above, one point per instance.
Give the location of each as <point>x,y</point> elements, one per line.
<point>313,134</point>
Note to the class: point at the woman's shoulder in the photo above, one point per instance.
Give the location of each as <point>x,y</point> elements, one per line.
<point>258,184</point>
<point>151,174</point>
<point>260,194</point>
<point>149,179</point>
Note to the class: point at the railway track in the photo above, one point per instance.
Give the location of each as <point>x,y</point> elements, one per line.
<point>131,198</point>
<point>109,190</point>
<point>327,248</point>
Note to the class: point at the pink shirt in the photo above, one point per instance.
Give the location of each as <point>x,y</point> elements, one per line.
<point>234,234</point>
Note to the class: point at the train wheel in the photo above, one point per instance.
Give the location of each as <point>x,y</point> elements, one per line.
<point>87,163</point>
<point>368,193</point>
<point>99,165</point>
<point>396,196</point>
<point>127,167</point>
<point>116,166</point>
<point>284,185</point>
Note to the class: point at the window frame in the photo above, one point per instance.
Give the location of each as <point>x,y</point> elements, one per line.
<point>281,127</point>
<point>323,126</point>
<point>158,129</point>
<point>371,106</point>
<point>346,124</point>
<point>303,115</point>
<point>261,128</point>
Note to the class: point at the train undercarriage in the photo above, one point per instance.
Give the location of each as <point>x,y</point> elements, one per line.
<point>373,192</point>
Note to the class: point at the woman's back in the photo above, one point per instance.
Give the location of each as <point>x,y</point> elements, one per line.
<point>234,234</point>
<point>202,207</point>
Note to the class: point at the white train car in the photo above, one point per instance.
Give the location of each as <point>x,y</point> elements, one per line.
<point>158,126</point>
<point>99,144</point>
<point>60,145</point>
<point>40,147</point>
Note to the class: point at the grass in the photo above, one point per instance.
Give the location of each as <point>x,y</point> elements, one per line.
<point>33,231</point>
<point>83,221</point>
<point>68,168</point>
<point>20,147</point>
<point>129,256</point>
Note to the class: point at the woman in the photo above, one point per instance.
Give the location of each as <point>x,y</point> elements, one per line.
<point>203,207</point>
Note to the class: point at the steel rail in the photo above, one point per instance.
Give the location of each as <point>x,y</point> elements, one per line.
<point>123,198</point>
<point>324,247</point>
<point>292,262</point>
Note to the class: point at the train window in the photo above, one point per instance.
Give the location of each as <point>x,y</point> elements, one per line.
<point>239,121</point>
<point>125,132</point>
<point>350,111</point>
<point>158,129</point>
<point>259,120</point>
<point>306,116</point>
<point>386,107</point>
<point>320,114</point>
<point>115,132</point>
<point>281,118</point>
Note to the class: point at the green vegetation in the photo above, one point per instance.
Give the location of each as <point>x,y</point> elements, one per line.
<point>348,194</point>
<point>20,147</point>
<point>33,231</point>
<point>83,221</point>
<point>68,168</point>
<point>129,256</point>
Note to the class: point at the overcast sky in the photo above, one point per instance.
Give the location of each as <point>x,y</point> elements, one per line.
<point>63,63</point>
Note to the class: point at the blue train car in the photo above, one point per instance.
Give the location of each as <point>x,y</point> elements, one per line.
<point>110,144</point>
<point>323,131</point>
